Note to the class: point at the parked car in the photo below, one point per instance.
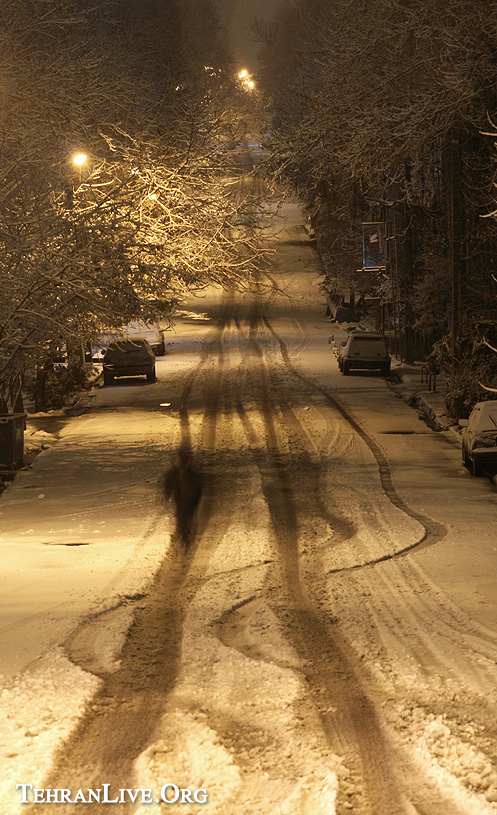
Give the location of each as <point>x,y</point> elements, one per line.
<point>479,437</point>
<point>149,331</point>
<point>129,357</point>
<point>364,350</point>
<point>100,345</point>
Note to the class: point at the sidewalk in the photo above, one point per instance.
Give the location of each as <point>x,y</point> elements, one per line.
<point>426,394</point>
<point>82,526</point>
<point>43,429</point>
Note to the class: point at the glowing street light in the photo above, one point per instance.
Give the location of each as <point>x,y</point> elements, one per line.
<point>79,160</point>
<point>246,79</point>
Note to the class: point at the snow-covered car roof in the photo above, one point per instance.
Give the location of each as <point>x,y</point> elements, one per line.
<point>360,332</point>
<point>143,329</point>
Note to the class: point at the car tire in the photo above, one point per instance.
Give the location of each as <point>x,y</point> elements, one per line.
<point>108,378</point>
<point>151,375</point>
<point>475,467</point>
<point>385,371</point>
<point>161,349</point>
<point>345,368</point>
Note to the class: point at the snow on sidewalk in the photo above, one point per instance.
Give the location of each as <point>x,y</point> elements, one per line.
<point>82,532</point>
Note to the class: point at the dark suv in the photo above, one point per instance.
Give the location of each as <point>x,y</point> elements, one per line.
<point>129,358</point>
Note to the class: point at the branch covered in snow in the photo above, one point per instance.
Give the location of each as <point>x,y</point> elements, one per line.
<point>149,213</point>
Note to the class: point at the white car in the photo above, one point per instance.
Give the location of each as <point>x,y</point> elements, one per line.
<point>149,331</point>
<point>479,437</point>
<point>364,350</point>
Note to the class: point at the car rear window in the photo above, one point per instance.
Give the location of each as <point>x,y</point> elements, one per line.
<point>126,347</point>
<point>369,345</point>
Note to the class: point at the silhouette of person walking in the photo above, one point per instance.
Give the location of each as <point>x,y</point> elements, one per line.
<point>183,482</point>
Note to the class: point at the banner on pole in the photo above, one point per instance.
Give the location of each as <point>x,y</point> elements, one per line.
<point>373,245</point>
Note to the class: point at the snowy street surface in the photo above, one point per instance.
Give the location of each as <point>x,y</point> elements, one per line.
<point>328,642</point>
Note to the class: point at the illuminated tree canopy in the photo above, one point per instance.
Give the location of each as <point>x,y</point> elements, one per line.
<point>146,94</point>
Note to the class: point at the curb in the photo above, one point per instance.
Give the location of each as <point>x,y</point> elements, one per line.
<point>430,404</point>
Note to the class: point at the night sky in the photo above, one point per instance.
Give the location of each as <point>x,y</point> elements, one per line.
<point>236,16</point>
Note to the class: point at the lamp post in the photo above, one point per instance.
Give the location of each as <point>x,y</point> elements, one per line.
<point>79,160</point>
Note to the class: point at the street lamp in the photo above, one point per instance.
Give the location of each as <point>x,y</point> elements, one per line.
<point>246,79</point>
<point>79,160</point>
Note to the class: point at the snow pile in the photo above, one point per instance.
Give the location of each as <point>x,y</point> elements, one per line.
<point>450,759</point>
<point>98,641</point>
<point>437,720</point>
<point>39,710</point>
<point>38,440</point>
<point>190,756</point>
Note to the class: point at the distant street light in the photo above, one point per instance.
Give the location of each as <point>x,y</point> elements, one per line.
<point>246,79</point>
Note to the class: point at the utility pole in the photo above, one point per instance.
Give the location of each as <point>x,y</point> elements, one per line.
<point>456,232</point>
<point>408,283</point>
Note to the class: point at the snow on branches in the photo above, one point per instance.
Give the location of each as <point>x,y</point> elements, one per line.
<point>146,213</point>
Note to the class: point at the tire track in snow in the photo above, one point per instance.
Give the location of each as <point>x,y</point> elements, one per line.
<point>422,610</point>
<point>434,531</point>
<point>120,721</point>
<point>377,769</point>
<point>428,656</point>
<point>360,750</point>
<point>211,347</point>
<point>420,801</point>
<point>119,724</point>
<point>352,727</point>
<point>215,497</point>
<point>441,639</point>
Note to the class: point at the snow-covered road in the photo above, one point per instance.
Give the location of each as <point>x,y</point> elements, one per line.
<point>328,642</point>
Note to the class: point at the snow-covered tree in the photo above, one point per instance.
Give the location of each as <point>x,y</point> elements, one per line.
<point>147,214</point>
<point>368,99</point>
